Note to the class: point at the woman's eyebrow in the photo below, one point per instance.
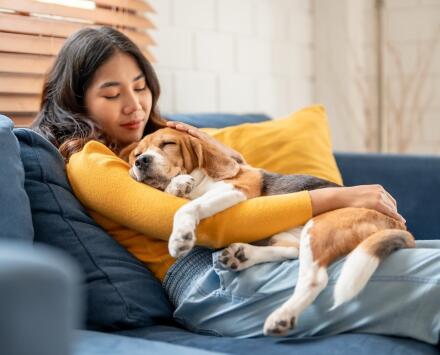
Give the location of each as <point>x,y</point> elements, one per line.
<point>117,83</point>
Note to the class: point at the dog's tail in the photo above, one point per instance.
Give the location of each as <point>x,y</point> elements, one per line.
<point>364,260</point>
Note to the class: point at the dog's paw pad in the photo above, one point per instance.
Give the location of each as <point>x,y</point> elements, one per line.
<point>188,236</point>
<point>278,324</point>
<point>234,257</point>
<point>181,185</point>
<point>181,243</point>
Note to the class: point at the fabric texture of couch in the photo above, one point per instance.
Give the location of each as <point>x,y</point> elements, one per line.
<point>121,292</point>
<point>124,301</point>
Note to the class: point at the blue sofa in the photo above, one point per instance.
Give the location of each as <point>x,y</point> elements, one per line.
<point>68,287</point>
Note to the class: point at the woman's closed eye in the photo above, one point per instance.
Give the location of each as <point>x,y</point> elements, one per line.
<point>143,88</point>
<point>112,96</point>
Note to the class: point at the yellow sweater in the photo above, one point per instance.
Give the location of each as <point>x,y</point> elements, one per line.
<point>140,217</point>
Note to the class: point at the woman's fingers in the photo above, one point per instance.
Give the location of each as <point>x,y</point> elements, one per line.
<point>388,206</point>
<point>391,198</point>
<point>180,125</point>
<point>195,132</point>
<point>385,209</point>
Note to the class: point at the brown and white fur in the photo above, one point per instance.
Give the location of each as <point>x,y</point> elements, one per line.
<point>185,166</point>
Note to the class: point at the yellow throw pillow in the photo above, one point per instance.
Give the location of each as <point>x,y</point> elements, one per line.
<point>297,144</point>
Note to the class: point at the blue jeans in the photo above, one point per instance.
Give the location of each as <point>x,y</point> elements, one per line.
<point>401,299</point>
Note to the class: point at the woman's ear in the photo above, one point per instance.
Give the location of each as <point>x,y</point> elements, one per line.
<point>125,153</point>
<point>216,164</point>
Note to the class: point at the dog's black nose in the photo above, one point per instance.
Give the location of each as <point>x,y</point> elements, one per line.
<point>143,161</point>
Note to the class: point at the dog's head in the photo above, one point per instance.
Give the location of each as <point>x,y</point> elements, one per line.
<point>167,152</point>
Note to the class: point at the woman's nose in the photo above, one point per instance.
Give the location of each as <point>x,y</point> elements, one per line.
<point>131,103</point>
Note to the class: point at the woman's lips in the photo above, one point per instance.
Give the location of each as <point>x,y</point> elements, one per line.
<point>137,119</point>
<point>132,124</point>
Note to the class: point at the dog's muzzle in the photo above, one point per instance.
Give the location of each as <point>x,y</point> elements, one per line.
<point>143,171</point>
<point>143,162</point>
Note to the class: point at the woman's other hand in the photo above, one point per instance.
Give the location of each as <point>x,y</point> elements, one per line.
<point>368,196</point>
<point>195,132</point>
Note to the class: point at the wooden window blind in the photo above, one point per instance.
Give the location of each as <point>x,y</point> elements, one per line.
<point>33,31</point>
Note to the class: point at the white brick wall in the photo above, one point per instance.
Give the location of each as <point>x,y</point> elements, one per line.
<point>345,65</point>
<point>234,55</point>
<point>412,68</point>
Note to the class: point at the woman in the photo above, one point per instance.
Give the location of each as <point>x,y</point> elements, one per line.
<point>100,96</point>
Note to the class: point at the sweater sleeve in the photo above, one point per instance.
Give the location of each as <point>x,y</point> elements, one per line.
<point>100,180</point>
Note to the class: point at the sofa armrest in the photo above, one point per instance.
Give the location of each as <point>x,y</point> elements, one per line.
<point>414,181</point>
<point>38,300</point>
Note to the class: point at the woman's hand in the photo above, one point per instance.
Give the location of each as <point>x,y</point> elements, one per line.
<point>368,196</point>
<point>195,132</point>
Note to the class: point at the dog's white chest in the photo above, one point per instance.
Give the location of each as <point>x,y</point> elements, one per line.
<point>203,184</point>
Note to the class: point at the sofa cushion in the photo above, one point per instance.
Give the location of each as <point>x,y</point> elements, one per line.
<point>297,144</point>
<point>15,212</point>
<point>342,344</point>
<point>121,292</point>
<point>97,343</point>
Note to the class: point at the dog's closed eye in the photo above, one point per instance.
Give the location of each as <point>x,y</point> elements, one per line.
<point>167,143</point>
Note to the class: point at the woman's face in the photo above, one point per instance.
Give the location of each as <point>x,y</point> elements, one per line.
<point>119,99</point>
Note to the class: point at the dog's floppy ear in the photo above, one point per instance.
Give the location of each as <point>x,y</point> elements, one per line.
<point>216,164</point>
<point>125,153</point>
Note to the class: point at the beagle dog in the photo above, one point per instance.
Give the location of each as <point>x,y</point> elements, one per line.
<point>185,166</point>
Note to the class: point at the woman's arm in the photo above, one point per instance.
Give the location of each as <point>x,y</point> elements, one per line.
<point>101,182</point>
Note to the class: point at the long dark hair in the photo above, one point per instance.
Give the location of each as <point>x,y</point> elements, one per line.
<point>63,117</point>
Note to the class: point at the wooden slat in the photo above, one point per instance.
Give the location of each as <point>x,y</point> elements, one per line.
<point>37,25</point>
<point>139,6</point>
<point>16,43</point>
<point>149,55</point>
<point>21,84</point>
<point>19,103</point>
<point>48,27</point>
<point>24,63</point>
<point>98,15</point>
<point>34,64</point>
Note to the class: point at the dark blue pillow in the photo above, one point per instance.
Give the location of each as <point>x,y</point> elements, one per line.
<point>121,292</point>
<point>15,212</point>
<point>216,120</point>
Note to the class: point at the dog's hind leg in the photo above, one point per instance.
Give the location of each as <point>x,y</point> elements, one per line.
<point>279,247</point>
<point>240,256</point>
<point>290,238</point>
<point>312,279</point>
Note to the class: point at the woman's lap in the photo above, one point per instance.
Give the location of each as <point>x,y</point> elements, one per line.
<point>402,298</point>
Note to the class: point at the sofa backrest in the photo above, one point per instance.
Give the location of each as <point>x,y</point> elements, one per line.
<point>15,213</point>
<point>413,180</point>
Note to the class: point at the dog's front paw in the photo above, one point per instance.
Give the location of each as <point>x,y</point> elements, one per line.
<point>180,185</point>
<point>182,240</point>
<point>279,323</point>
<point>235,257</point>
